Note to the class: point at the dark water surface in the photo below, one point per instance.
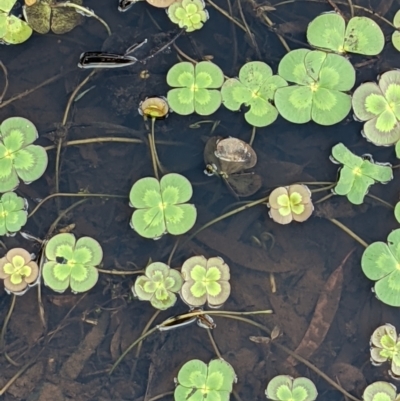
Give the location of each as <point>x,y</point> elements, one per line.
<point>69,359</point>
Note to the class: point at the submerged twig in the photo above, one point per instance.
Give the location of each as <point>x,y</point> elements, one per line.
<point>3,67</point>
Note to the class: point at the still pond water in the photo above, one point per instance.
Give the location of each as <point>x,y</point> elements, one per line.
<point>70,358</point>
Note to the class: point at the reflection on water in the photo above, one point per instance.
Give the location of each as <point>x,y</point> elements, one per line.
<point>85,335</point>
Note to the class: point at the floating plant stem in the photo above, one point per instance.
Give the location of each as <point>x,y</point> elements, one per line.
<point>86,12</point>
<point>3,67</point>
<point>387,204</point>
<point>95,140</point>
<point>161,396</point>
<point>183,316</point>
<point>348,231</point>
<point>294,355</point>
<point>153,157</point>
<point>253,135</point>
<point>213,343</point>
<point>223,12</point>
<point>120,272</point>
<point>6,320</point>
<point>35,88</point>
<point>72,195</point>
<point>64,121</point>
<point>137,341</point>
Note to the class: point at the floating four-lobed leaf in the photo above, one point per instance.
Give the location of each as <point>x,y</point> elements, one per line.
<point>18,271</point>
<point>195,88</point>
<point>71,263</point>
<point>205,281</point>
<point>358,174</point>
<point>161,206</point>
<point>380,391</point>
<point>285,388</point>
<point>379,106</point>
<point>12,29</point>
<point>320,80</point>
<point>44,15</point>
<point>188,14</point>
<point>380,262</point>
<point>255,88</point>
<point>158,285</point>
<point>198,381</point>
<point>19,159</point>
<point>13,213</point>
<point>290,203</point>
<point>362,35</point>
<point>385,346</point>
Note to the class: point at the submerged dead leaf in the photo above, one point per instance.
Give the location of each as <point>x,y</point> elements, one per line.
<point>324,314</point>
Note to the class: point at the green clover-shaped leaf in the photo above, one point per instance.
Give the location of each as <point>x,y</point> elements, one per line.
<point>71,263</point>
<point>362,35</point>
<point>161,206</point>
<point>195,88</point>
<point>320,80</point>
<point>18,157</point>
<point>200,382</point>
<point>381,262</point>
<point>357,174</point>
<point>379,106</point>
<point>255,88</point>
<point>158,285</point>
<point>13,213</point>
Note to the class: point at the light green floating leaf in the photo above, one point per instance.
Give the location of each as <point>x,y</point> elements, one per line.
<point>85,280</point>
<point>145,193</point>
<point>58,244</point>
<point>51,278</point>
<point>357,175</point>
<point>292,67</point>
<point>329,106</point>
<point>363,36</point>
<point>294,103</point>
<point>396,40</point>
<point>207,102</point>
<point>149,223</point>
<point>7,5</point>
<point>181,75</point>
<point>397,212</point>
<point>327,32</point>
<point>208,75</point>
<point>179,219</point>
<point>18,31</point>
<point>180,185</point>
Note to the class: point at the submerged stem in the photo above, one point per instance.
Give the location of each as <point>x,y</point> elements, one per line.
<point>6,320</point>
<point>71,195</point>
<point>296,356</point>
<point>349,232</point>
